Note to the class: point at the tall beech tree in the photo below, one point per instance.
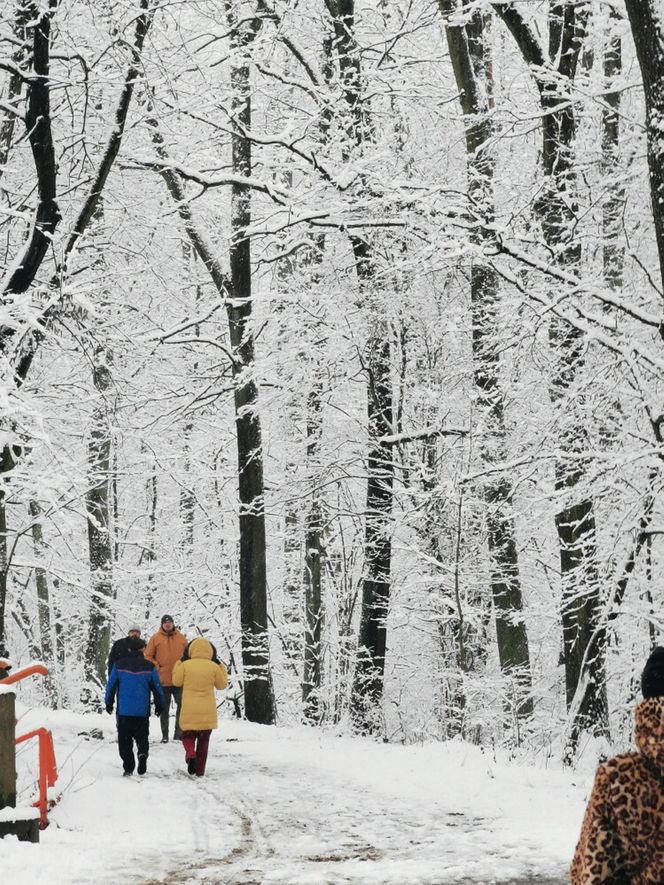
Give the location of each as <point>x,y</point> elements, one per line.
<point>33,24</point>
<point>368,683</point>
<point>235,289</point>
<point>44,617</point>
<point>313,558</point>
<point>469,55</point>
<point>553,71</point>
<point>353,120</point>
<point>613,250</point>
<point>98,502</point>
<point>259,700</point>
<point>648,35</point>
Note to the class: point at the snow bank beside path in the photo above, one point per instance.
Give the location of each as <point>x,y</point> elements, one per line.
<point>293,806</point>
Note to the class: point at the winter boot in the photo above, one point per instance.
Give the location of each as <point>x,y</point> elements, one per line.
<point>142,763</point>
<point>191,765</point>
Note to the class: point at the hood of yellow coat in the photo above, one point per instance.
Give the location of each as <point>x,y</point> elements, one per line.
<point>200,648</point>
<point>649,730</point>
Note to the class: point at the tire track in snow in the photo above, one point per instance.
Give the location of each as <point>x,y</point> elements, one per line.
<point>295,829</point>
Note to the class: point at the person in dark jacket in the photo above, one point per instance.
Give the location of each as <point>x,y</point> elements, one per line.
<point>622,837</point>
<point>133,679</point>
<point>121,647</point>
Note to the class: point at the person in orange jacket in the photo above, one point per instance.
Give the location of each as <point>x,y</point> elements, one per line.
<point>199,673</point>
<point>166,647</point>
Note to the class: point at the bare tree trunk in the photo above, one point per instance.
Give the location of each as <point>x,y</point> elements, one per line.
<point>259,701</point>
<point>99,530</point>
<point>292,582</point>
<point>614,203</point>
<point>314,551</point>
<point>187,498</point>
<point>187,495</point>
<point>43,603</point>
<point>369,677</point>
<point>187,489</point>
<point>38,127</point>
<point>583,636</point>
<point>59,627</point>
<point>367,691</point>
<point>470,63</point>
<point>648,34</point>
<point>47,216</point>
<point>151,489</point>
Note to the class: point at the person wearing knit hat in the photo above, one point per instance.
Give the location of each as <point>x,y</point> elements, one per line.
<point>622,836</point>
<point>131,682</point>
<point>164,648</point>
<point>652,678</point>
<point>120,647</point>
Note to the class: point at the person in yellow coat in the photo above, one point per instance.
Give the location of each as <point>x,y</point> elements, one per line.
<point>198,673</point>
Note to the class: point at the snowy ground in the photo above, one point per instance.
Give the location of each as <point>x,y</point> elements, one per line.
<point>291,806</point>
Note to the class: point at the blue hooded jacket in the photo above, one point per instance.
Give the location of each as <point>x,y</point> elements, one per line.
<point>133,679</point>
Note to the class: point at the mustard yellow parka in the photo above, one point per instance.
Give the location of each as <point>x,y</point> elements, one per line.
<point>199,676</point>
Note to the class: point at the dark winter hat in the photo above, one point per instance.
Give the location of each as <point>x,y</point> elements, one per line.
<point>165,618</point>
<point>135,643</point>
<point>652,678</point>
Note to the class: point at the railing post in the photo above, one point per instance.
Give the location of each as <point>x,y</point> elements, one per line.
<point>25,827</point>
<point>42,802</point>
<point>7,738</point>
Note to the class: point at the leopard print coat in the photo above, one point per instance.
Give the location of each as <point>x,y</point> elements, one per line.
<point>622,837</point>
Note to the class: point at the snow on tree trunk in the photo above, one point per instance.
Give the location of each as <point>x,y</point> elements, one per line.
<point>367,693</point>
<point>583,642</point>
<point>613,251</point>
<point>43,604</point>
<point>259,701</point>
<point>100,542</point>
<point>313,562</point>
<point>645,18</point>
<point>468,53</point>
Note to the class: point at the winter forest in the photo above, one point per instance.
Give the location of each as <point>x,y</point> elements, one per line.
<point>336,329</point>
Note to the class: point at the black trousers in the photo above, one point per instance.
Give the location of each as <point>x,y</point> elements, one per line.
<point>130,729</point>
<point>170,691</point>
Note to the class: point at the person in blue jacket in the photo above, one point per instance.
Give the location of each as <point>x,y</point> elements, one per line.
<point>133,679</point>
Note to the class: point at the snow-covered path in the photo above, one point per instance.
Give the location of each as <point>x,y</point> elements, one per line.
<point>295,807</point>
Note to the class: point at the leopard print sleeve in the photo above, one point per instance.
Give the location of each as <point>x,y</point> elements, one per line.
<point>599,858</point>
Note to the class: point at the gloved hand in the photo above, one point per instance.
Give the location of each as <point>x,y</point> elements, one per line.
<point>109,708</point>
<point>157,710</point>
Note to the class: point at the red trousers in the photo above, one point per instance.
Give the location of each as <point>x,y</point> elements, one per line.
<point>196,747</point>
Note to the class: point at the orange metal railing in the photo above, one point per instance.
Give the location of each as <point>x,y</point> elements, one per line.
<point>26,671</point>
<point>48,772</point>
